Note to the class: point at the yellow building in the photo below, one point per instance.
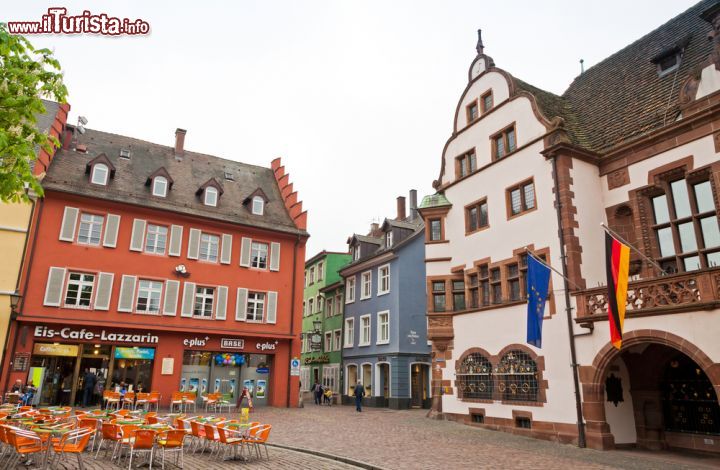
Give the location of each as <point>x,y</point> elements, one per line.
<point>15,221</point>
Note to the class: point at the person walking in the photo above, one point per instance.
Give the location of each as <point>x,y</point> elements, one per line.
<point>88,386</point>
<point>317,392</point>
<point>359,394</point>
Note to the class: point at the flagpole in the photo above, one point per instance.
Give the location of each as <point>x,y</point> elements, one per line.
<point>621,239</point>
<point>539,260</point>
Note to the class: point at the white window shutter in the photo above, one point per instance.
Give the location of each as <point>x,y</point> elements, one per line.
<point>111,231</point>
<point>175,245</point>
<point>172,289</point>
<point>69,222</point>
<point>274,256</point>
<point>245,252</point>
<point>241,304</point>
<point>271,307</point>
<point>127,293</point>
<point>226,249</point>
<point>188,302</point>
<point>221,305</point>
<point>194,244</point>
<point>54,287</point>
<point>104,291</point>
<point>138,235</point>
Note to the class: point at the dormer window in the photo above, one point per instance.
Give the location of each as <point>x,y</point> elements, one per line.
<point>211,196</point>
<point>125,153</point>
<point>388,239</point>
<point>668,64</point>
<point>100,174</point>
<point>356,252</point>
<point>258,205</point>
<point>160,184</point>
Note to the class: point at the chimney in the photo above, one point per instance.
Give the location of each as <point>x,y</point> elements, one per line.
<point>400,208</point>
<point>413,203</point>
<point>179,143</point>
<point>374,229</point>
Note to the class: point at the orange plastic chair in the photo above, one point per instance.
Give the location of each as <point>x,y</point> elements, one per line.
<point>212,439</point>
<point>176,400</point>
<point>142,441</point>
<point>212,400</point>
<point>90,423</point>
<point>73,442</point>
<point>142,399</point>
<point>172,441</point>
<point>182,424</point>
<point>154,400</point>
<point>127,432</point>
<point>260,439</point>
<point>129,400</point>
<point>113,400</point>
<point>110,433</point>
<point>228,440</point>
<point>188,399</point>
<point>23,443</point>
<point>198,434</point>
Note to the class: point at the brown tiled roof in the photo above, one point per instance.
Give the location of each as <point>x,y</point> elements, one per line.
<point>67,174</point>
<point>622,97</point>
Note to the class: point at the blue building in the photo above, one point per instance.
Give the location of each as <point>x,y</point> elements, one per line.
<point>385,343</point>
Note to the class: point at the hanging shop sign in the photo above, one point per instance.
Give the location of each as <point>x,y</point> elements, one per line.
<point>83,334</point>
<point>324,359</point>
<point>232,343</point>
<point>134,353</point>
<point>45,349</point>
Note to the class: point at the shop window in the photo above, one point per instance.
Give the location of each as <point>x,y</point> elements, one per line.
<point>458,289</point>
<point>474,377</point>
<point>686,226</point>
<point>438,290</point>
<point>156,239</point>
<point>148,297</point>
<point>521,198</point>
<point>517,377</point>
<point>79,291</point>
<point>209,245</point>
<point>366,283</point>
<point>90,229</point>
<point>204,299</point>
<point>384,279</point>
<point>255,306</point>
<point>331,376</point>
<point>258,255</point>
<point>352,378</point>
<point>503,143</point>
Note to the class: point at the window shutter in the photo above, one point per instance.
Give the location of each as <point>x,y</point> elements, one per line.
<point>127,293</point>
<point>172,288</point>
<point>111,231</point>
<point>241,305</point>
<point>271,307</point>
<point>104,291</point>
<point>53,289</point>
<point>175,246</point>
<point>138,235</point>
<point>194,244</point>
<point>245,252</point>
<point>221,306</point>
<point>69,222</point>
<point>188,300</point>
<point>274,256</point>
<point>226,249</point>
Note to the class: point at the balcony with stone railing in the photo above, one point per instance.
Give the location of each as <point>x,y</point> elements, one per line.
<point>696,290</point>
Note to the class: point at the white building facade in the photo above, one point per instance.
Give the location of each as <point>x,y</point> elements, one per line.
<point>632,143</point>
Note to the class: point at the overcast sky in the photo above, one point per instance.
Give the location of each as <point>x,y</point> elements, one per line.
<point>357,97</point>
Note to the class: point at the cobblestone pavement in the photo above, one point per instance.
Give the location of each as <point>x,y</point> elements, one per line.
<point>393,440</point>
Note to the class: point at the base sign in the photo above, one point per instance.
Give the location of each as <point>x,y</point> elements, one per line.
<point>295,367</point>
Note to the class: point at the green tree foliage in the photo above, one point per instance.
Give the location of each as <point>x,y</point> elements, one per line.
<point>26,75</point>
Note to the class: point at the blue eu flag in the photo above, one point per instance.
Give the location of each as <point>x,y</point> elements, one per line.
<point>538,282</point>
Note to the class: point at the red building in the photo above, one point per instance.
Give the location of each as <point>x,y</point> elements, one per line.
<point>161,268</point>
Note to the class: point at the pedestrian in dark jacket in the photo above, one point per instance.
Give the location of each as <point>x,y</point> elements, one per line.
<point>359,394</point>
<point>318,392</point>
<point>88,385</point>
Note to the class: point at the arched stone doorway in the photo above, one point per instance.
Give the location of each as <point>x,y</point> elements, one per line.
<point>660,391</point>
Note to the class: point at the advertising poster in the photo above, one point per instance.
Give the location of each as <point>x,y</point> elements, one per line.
<point>232,388</point>
<point>260,392</point>
<point>183,382</point>
<point>217,386</point>
<point>203,386</point>
<point>194,383</point>
<point>250,385</point>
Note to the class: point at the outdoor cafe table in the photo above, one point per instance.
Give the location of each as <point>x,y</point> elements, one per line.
<point>50,432</point>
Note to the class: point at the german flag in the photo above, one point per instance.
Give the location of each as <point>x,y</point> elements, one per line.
<point>617,264</point>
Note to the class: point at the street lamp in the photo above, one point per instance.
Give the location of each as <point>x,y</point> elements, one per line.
<point>14,302</point>
<point>317,325</point>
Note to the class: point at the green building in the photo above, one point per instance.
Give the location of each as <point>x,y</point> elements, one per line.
<point>323,305</point>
